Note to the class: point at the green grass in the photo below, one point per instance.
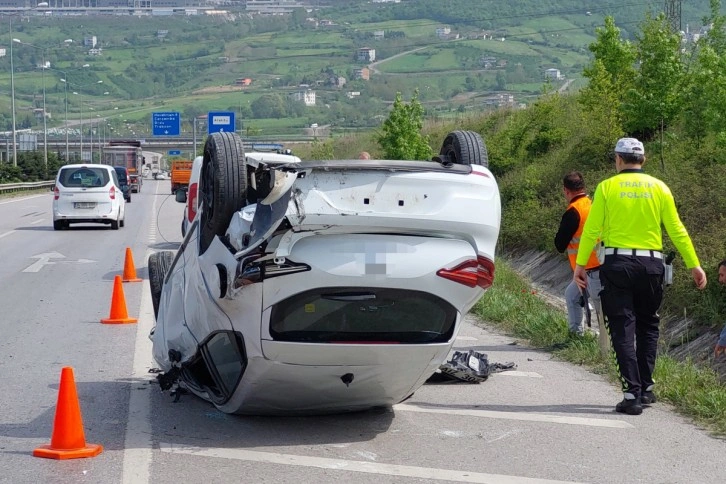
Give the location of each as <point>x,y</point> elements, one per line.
<point>512,306</point>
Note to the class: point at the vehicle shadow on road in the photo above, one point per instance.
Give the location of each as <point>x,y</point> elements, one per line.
<point>191,421</point>
<point>556,408</point>
<point>37,228</point>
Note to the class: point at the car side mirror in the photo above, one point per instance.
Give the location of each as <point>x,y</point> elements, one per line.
<point>181,196</point>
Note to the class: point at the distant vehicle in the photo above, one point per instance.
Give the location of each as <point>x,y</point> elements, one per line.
<point>123,179</point>
<point>314,125</point>
<point>126,153</point>
<point>88,193</point>
<point>323,286</point>
<point>162,176</point>
<point>155,167</point>
<point>181,171</point>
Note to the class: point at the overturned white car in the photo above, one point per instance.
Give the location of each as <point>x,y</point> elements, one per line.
<point>323,286</point>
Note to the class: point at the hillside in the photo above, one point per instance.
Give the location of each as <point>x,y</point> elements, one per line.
<point>460,55</point>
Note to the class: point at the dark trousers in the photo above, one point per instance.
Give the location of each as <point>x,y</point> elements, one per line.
<point>632,292</point>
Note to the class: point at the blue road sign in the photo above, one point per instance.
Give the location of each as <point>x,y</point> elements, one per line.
<point>165,124</point>
<point>174,152</point>
<point>220,121</point>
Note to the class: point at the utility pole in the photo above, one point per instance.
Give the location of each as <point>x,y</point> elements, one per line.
<point>673,14</point>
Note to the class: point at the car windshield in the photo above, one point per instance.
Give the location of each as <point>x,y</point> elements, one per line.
<point>346,315</point>
<point>84,176</point>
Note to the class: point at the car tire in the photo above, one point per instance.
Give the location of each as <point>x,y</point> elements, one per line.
<point>159,264</point>
<point>223,185</point>
<point>114,224</point>
<point>123,221</point>
<point>58,225</point>
<point>465,148</point>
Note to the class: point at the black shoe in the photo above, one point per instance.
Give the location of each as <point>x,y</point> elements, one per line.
<point>648,398</point>
<point>631,407</point>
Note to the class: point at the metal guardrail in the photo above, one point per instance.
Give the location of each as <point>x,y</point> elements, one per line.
<point>19,187</point>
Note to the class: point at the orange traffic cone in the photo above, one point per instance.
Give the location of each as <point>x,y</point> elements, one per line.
<point>67,441</point>
<point>118,305</point>
<point>129,269</point>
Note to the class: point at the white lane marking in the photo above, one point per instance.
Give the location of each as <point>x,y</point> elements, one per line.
<point>529,374</point>
<point>525,416</point>
<point>37,221</point>
<point>353,465</point>
<point>5,234</point>
<point>43,260</point>
<point>467,338</point>
<point>137,443</point>
<point>21,199</point>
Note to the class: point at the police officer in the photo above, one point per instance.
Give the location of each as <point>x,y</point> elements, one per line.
<point>568,239</point>
<point>627,212</point>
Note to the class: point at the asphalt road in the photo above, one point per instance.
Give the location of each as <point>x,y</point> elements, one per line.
<point>546,422</point>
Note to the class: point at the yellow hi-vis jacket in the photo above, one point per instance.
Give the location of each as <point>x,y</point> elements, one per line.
<point>627,212</point>
<point>582,205</point>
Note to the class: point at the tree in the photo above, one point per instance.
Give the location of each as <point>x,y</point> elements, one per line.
<point>616,55</point>
<point>655,98</point>
<point>400,136</point>
<point>602,116</point>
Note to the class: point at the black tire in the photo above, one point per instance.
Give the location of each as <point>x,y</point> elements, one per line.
<point>58,225</point>
<point>223,185</point>
<point>122,222</point>
<point>465,148</point>
<point>159,264</point>
<point>114,224</point>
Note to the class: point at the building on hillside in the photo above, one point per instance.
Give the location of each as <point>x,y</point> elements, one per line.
<point>553,74</point>
<point>443,32</point>
<point>272,7</point>
<point>379,34</point>
<point>98,51</point>
<point>90,41</point>
<point>362,73</point>
<point>307,96</point>
<point>243,81</point>
<point>366,54</point>
<point>352,94</point>
<point>336,81</point>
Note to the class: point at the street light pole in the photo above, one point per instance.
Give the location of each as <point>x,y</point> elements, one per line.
<point>12,95</point>
<point>65,85</point>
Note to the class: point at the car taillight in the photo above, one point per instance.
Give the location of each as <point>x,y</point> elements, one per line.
<point>192,202</point>
<point>112,193</point>
<point>56,193</point>
<point>472,273</point>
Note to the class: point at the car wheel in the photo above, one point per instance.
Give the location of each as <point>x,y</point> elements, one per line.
<point>159,264</point>
<point>58,225</point>
<point>224,185</point>
<point>123,221</point>
<point>465,148</point>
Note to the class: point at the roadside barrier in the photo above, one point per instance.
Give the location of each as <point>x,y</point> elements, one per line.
<point>129,268</point>
<point>119,314</point>
<point>68,440</point>
<point>19,187</point>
